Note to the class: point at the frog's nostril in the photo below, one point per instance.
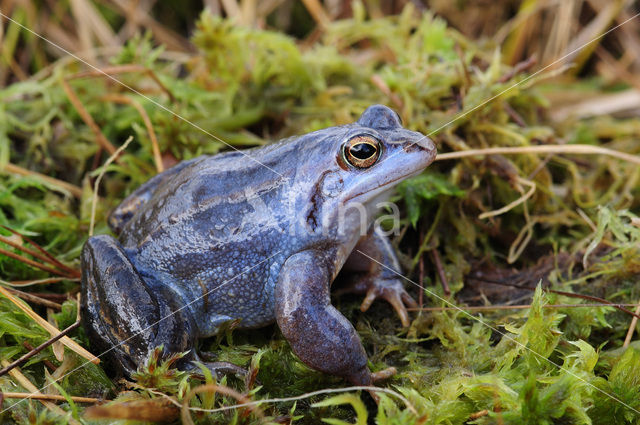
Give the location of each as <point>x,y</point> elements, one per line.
<point>422,143</point>
<point>425,143</point>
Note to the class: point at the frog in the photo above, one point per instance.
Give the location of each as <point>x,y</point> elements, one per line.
<point>254,237</point>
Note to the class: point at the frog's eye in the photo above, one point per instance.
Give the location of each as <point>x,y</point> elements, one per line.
<point>362,151</point>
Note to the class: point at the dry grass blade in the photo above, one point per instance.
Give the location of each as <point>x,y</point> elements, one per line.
<point>590,35</point>
<point>558,149</point>
<point>24,283</point>
<point>147,122</point>
<point>154,410</point>
<point>139,18</point>
<point>94,201</point>
<point>232,10</point>
<point>122,69</point>
<point>512,205</point>
<point>632,328</point>
<point>86,117</point>
<point>24,382</point>
<point>55,183</point>
<point>71,344</point>
<point>42,255</point>
<point>51,397</point>
<point>603,104</point>
<point>318,13</point>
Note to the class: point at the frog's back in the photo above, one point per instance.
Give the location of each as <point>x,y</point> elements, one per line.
<point>211,232</point>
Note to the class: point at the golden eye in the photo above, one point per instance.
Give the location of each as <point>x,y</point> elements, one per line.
<point>362,151</point>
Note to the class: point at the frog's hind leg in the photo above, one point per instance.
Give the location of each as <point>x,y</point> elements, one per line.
<point>123,316</point>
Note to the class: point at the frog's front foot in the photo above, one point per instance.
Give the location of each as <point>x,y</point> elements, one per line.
<point>124,316</point>
<point>392,291</point>
<point>373,269</point>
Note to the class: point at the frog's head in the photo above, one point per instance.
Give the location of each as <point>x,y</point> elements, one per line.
<point>379,153</point>
<point>363,161</point>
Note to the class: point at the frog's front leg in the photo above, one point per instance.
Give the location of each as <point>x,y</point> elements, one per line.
<point>319,335</point>
<point>125,317</point>
<point>373,269</point>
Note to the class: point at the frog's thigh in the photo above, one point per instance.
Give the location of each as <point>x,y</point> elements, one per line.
<point>320,336</point>
<point>122,314</point>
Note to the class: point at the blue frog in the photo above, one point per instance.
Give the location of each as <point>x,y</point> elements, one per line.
<point>256,236</point>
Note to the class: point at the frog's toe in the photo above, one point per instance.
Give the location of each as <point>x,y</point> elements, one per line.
<point>394,293</point>
<point>383,374</point>
<point>218,369</point>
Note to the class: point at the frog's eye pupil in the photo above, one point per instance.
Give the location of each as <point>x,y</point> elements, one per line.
<point>362,151</point>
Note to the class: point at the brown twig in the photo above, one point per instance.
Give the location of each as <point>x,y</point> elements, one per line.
<point>28,385</point>
<point>30,262</point>
<point>51,296</point>
<point>517,307</point>
<point>51,259</point>
<point>39,348</point>
<point>518,68</point>
<point>35,299</point>
<point>318,13</point>
<point>46,362</point>
<point>377,81</point>
<point>555,291</point>
<point>435,257</point>
<point>515,116</point>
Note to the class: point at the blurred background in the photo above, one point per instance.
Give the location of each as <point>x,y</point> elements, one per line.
<point>546,29</point>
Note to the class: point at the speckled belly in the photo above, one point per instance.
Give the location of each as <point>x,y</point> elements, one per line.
<point>247,296</point>
<point>216,292</point>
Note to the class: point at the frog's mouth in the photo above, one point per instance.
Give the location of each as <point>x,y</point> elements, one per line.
<point>381,188</point>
